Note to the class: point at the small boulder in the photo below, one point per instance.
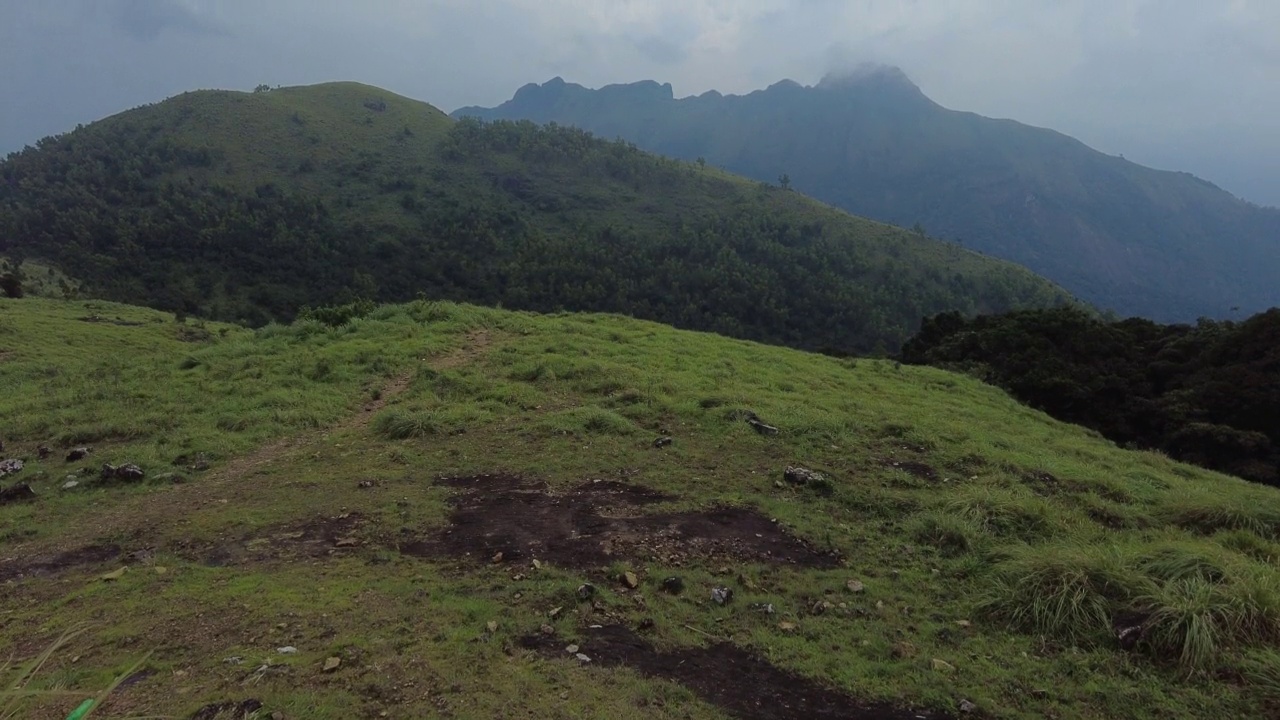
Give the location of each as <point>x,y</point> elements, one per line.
<point>630,580</point>
<point>10,467</point>
<point>942,666</point>
<point>721,595</point>
<point>572,649</point>
<point>43,452</point>
<point>70,483</point>
<point>77,454</point>
<point>761,427</point>
<point>802,476</point>
<point>17,493</point>
<point>855,586</point>
<point>766,608</point>
<point>287,650</point>
<point>967,707</point>
<point>787,627</point>
<point>129,473</point>
<point>673,585</point>
<point>663,441</point>
<point>331,664</point>
<point>582,658</point>
<point>586,591</point>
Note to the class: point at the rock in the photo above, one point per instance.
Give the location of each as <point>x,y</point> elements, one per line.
<point>364,484</point>
<point>160,569</point>
<point>821,607</point>
<point>537,564</point>
<point>766,608</point>
<point>663,441</point>
<point>129,473</point>
<point>721,595</point>
<point>582,658</point>
<point>277,715</point>
<point>287,650</point>
<point>942,666</point>
<point>967,707</point>
<point>10,466</point>
<point>572,649</point>
<point>785,626</point>
<point>554,612</point>
<point>855,586</point>
<point>70,484</point>
<point>172,478</point>
<point>346,542</point>
<point>762,428</point>
<point>963,623</point>
<point>76,454</point>
<point>586,591</point>
<point>331,664</point>
<point>17,493</point>
<point>114,575</point>
<point>1129,628</point>
<point>547,630</point>
<point>630,580</point>
<point>491,626</point>
<point>802,476</point>
<point>233,660</point>
<point>673,585</point>
<point>902,650</point>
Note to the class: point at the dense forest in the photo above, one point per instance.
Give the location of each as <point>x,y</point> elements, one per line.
<point>1207,394</point>
<point>249,207</point>
<point>1163,245</point>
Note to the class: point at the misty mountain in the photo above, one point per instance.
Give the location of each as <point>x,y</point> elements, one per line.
<point>251,206</point>
<point>1166,245</point>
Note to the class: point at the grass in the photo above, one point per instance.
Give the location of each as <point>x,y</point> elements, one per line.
<point>937,503</point>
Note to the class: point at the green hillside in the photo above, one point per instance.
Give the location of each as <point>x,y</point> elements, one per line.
<point>1164,245</point>
<point>395,516</point>
<point>249,206</point>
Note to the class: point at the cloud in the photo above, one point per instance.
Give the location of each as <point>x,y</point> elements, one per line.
<point>1178,83</point>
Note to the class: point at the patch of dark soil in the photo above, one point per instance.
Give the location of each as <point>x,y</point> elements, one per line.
<point>41,567</point>
<point>741,683</point>
<point>116,321</point>
<point>228,710</point>
<point>918,469</point>
<point>1046,485</point>
<point>598,521</point>
<point>135,678</point>
<point>315,538</point>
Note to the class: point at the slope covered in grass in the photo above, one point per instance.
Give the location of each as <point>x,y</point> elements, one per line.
<point>249,206</point>
<point>419,494</point>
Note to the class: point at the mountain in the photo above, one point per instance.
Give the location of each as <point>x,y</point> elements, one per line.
<point>1165,245</point>
<point>1207,394</point>
<point>439,510</point>
<point>249,206</point>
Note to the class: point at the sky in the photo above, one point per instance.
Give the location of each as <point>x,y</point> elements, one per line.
<point>1188,85</point>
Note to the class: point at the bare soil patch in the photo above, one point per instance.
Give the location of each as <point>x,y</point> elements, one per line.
<point>229,710</point>
<point>25,568</point>
<point>309,539</point>
<point>599,521</point>
<point>741,683</point>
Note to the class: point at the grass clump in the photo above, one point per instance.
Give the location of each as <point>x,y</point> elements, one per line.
<point>1004,512</point>
<point>1207,512</point>
<point>587,420</point>
<point>950,535</point>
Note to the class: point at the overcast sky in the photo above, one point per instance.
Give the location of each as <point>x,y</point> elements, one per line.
<point>1179,84</point>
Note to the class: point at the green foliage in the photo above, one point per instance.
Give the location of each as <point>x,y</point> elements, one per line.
<point>1207,394</point>
<point>250,207</point>
<point>877,147</point>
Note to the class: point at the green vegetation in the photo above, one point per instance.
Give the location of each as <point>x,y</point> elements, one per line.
<point>247,207</point>
<point>1163,245</point>
<point>1008,546</point>
<point>1207,394</point>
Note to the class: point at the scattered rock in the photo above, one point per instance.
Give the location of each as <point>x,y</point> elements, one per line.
<point>114,574</point>
<point>10,466</point>
<point>572,649</point>
<point>491,626</point>
<point>160,569</point>
<point>582,658</point>
<point>497,557</point>
<point>855,586</point>
<point>821,607</point>
<point>963,623</point>
<point>76,454</point>
<point>233,660</point>
<point>721,595</point>
<point>630,580</point>
<point>547,630</point>
<point>673,585</point>
<point>17,493</point>
<point>762,428</point>
<point>364,484</point>
<point>967,707</point>
<point>43,452</point>
<point>554,612</point>
<point>537,564</point>
<point>287,650</point>
<point>70,483</point>
<point>346,542</point>
<point>902,650</point>
<point>586,591</point>
<point>785,626</point>
<point>124,473</point>
<point>331,663</point>
<point>766,608</point>
<point>802,476</point>
<point>1129,628</point>
<point>172,478</point>
<point>663,441</point>
<point>942,666</point>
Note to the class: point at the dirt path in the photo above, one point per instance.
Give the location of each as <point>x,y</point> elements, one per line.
<point>137,516</point>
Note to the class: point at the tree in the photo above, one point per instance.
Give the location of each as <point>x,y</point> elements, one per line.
<point>784,180</point>
<point>11,286</point>
<point>262,88</point>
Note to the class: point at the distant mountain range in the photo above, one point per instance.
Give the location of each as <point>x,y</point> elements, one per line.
<point>250,206</point>
<point>1165,245</point>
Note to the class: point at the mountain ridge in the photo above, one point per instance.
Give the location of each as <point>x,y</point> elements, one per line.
<point>1163,244</point>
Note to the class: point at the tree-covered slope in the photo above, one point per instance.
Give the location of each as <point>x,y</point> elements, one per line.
<point>249,206</point>
<point>1165,245</point>
<point>1207,394</point>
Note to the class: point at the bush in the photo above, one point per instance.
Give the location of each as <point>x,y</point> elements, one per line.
<point>11,286</point>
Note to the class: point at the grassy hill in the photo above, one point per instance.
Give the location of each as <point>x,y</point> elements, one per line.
<point>249,206</point>
<point>414,499</point>
<point>1164,245</point>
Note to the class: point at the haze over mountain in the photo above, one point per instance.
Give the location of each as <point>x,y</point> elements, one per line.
<point>249,206</point>
<point>1164,245</point>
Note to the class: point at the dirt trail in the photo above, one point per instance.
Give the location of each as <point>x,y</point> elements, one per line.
<point>135,517</point>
